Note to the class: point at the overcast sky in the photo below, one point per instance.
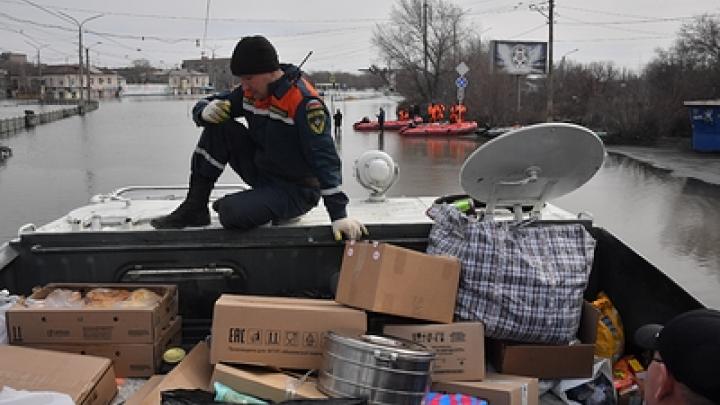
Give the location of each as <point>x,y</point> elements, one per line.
<point>338,31</point>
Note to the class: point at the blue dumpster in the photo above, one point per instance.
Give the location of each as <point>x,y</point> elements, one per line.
<point>705,120</point>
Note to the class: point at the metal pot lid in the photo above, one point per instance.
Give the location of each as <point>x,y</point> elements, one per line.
<point>400,346</point>
<point>532,164</point>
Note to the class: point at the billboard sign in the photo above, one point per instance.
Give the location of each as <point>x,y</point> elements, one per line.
<point>519,58</point>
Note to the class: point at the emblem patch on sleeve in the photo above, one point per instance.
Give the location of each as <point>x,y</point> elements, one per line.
<point>316,116</point>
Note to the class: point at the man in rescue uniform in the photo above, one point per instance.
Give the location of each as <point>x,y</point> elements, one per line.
<point>285,153</point>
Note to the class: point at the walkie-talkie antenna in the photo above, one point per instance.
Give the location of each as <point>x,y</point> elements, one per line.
<point>305,60</point>
<point>298,73</point>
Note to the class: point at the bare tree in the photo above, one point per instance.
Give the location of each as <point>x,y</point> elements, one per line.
<point>698,42</point>
<point>401,43</point>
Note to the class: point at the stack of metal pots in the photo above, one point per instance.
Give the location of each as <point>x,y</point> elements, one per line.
<point>382,369</point>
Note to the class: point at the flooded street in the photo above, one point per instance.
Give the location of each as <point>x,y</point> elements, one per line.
<point>671,221</point>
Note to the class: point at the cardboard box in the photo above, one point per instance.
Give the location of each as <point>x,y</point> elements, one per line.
<point>549,361</point>
<point>389,279</point>
<point>193,372</point>
<point>92,324</point>
<point>459,348</point>
<point>88,380</point>
<point>265,383</point>
<point>496,389</point>
<point>129,360</point>
<point>286,333</point>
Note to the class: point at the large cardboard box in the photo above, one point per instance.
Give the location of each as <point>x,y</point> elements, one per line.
<point>88,380</point>
<point>286,332</point>
<point>266,383</point>
<point>129,359</point>
<point>92,324</point>
<point>389,279</point>
<point>496,389</point>
<point>459,348</point>
<point>549,361</point>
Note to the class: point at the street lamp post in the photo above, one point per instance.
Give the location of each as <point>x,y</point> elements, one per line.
<point>562,59</point>
<point>39,66</point>
<point>80,47</point>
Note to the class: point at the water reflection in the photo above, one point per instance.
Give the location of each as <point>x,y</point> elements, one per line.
<point>440,150</point>
<point>671,221</point>
<point>692,224</point>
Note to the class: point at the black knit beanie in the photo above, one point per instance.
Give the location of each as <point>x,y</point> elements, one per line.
<point>254,55</point>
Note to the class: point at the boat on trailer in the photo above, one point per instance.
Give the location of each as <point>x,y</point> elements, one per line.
<point>110,240</point>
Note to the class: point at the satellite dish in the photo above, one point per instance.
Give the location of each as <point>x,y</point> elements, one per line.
<point>531,165</point>
<point>376,171</point>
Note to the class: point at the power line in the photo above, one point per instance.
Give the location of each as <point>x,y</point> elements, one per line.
<point>638,18</point>
<point>581,22</point>
<point>214,19</point>
<point>543,25</point>
<point>615,39</point>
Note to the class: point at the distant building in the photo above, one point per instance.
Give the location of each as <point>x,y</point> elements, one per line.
<point>13,58</point>
<point>184,81</point>
<point>61,82</point>
<point>16,67</point>
<point>4,84</point>
<point>218,71</point>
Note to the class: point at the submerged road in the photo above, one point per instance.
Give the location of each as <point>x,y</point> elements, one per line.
<point>680,161</point>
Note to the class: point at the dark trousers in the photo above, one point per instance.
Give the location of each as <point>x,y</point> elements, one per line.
<point>270,199</point>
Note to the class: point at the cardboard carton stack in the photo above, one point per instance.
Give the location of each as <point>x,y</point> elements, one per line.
<point>256,341</point>
<point>392,280</point>
<point>131,334</point>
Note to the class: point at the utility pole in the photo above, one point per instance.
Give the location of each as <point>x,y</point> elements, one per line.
<point>425,42</point>
<point>87,71</point>
<point>550,79</point>
<point>425,46</point>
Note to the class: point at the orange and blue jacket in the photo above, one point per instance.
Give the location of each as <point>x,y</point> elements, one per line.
<point>291,132</point>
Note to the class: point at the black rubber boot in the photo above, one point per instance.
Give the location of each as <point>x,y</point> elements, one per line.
<point>193,211</point>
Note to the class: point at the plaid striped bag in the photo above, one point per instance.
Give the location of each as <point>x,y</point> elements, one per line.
<point>525,282</point>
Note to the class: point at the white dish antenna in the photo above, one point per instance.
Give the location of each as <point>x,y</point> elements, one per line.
<point>531,165</point>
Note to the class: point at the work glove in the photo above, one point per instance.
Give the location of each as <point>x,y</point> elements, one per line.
<point>216,112</point>
<point>351,228</point>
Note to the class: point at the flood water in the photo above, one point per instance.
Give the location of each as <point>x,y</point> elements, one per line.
<point>671,221</point>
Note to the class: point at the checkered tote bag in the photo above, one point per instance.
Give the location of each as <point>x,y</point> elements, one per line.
<point>525,282</point>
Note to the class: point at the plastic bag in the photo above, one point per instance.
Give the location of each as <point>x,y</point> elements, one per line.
<point>610,340</point>
<point>6,301</point>
<point>525,282</point>
<point>597,390</point>
<point>63,298</point>
<point>9,396</point>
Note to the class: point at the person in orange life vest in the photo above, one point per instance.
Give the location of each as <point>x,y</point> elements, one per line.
<point>454,114</point>
<point>436,113</point>
<point>286,153</point>
<point>461,110</point>
<point>442,112</point>
<point>431,112</point>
